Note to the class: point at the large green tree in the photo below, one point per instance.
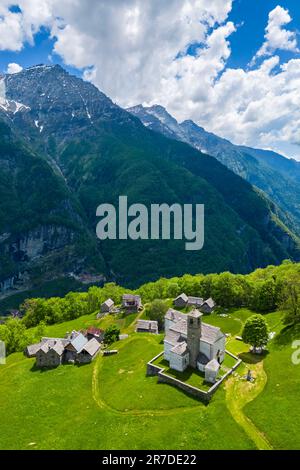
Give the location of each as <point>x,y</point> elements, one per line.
<point>291,302</point>
<point>255,332</point>
<point>111,334</point>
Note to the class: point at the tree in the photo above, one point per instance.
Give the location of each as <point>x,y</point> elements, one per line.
<point>111,334</point>
<point>156,311</point>
<point>14,335</point>
<point>291,303</point>
<point>266,295</point>
<point>255,332</point>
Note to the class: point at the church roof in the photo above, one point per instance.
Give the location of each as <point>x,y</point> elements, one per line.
<point>209,333</point>
<point>174,315</point>
<point>213,365</point>
<point>172,337</point>
<point>180,349</point>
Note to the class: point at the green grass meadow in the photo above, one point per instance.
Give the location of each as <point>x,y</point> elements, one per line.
<point>112,404</point>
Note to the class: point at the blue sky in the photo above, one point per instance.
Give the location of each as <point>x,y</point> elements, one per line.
<point>233,66</point>
<point>253,17</point>
<point>250,16</point>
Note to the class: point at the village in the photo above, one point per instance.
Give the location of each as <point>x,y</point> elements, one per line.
<point>188,342</point>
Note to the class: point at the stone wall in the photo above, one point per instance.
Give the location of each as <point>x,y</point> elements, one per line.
<point>152,370</point>
<point>196,392</point>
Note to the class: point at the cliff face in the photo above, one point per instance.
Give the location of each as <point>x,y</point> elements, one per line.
<point>42,231</point>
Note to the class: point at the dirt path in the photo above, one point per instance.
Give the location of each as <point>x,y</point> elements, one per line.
<point>131,327</point>
<point>239,392</point>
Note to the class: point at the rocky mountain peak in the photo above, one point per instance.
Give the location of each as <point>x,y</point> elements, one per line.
<point>56,101</point>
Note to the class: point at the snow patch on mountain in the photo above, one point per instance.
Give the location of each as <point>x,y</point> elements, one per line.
<point>10,106</point>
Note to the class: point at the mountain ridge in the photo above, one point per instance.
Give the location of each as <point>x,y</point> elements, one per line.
<point>95,151</point>
<point>262,168</point>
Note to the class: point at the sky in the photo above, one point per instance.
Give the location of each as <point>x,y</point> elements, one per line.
<point>233,66</point>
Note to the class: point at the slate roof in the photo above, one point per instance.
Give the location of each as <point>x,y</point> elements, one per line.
<point>210,302</point>
<point>45,348</point>
<point>91,347</point>
<point>213,365</point>
<point>52,341</point>
<point>147,325</point>
<point>57,345</point>
<point>195,301</point>
<point>209,333</point>
<point>172,337</point>
<point>109,303</point>
<point>59,348</point>
<point>131,297</point>
<point>182,296</point>
<point>34,348</point>
<point>79,342</point>
<point>174,315</point>
<point>180,327</point>
<point>180,349</point>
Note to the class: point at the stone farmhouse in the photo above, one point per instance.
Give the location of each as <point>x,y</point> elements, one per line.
<point>131,303</point>
<point>107,306</point>
<point>205,306</point>
<point>75,348</point>
<point>208,306</point>
<point>147,326</point>
<point>189,342</point>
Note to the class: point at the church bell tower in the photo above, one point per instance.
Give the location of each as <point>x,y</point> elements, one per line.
<point>193,336</point>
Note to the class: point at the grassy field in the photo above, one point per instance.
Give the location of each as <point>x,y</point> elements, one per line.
<point>277,408</point>
<point>60,329</point>
<point>190,376</point>
<point>111,404</point>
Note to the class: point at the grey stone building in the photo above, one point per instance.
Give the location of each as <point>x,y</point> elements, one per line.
<point>189,342</point>
<point>181,301</point>
<point>107,306</point>
<point>147,326</point>
<point>51,352</point>
<point>131,303</point>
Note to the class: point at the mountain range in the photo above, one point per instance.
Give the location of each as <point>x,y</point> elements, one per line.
<point>65,148</point>
<point>276,175</point>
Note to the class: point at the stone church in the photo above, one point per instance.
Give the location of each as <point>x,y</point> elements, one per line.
<point>191,342</point>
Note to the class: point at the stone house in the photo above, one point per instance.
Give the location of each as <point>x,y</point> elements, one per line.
<point>194,302</point>
<point>51,352</point>
<point>131,303</point>
<point>74,346</point>
<point>208,306</point>
<point>30,351</point>
<point>205,306</point>
<point>88,352</point>
<point>181,301</point>
<point>147,326</point>
<point>189,342</point>
<point>107,306</point>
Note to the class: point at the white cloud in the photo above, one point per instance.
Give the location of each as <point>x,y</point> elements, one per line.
<point>136,52</point>
<point>277,37</point>
<point>14,68</point>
